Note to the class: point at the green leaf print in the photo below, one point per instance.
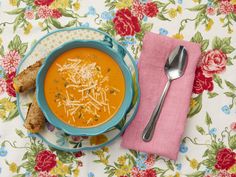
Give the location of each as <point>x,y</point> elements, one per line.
<point>196,108</point>
<point>197,38</point>
<point>216,43</point>
<point>230,85</point>
<point>198,7</point>
<point>212,94</point>
<point>208,119</point>
<point>218,80</point>
<point>197,174</point>
<point>232,142</point>
<point>230,94</point>
<point>16,11</point>
<point>200,130</point>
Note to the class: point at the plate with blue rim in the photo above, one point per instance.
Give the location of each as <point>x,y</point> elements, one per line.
<point>55,137</point>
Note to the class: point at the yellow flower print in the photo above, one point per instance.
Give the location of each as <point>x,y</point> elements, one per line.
<point>60,169</point>
<point>192,103</point>
<point>13,2</point>
<point>13,167</point>
<point>40,24</point>
<point>28,28</point>
<point>123,4</point>
<point>7,104</point>
<point>230,30</point>
<point>209,25</point>
<point>76,172</point>
<point>123,170</point>
<point>105,149</point>
<point>172,13</point>
<point>179,9</point>
<point>233,2</point>
<point>3,113</point>
<point>76,5</point>
<point>99,139</point>
<point>177,174</point>
<point>60,4</point>
<point>121,160</point>
<point>198,1</point>
<point>233,169</point>
<point>193,163</point>
<point>178,36</point>
<point>222,20</point>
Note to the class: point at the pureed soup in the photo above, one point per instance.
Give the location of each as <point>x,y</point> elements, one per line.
<point>84,87</point>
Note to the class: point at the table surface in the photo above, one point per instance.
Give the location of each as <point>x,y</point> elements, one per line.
<point>209,142</point>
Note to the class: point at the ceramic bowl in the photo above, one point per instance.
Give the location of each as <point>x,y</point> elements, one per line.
<point>117,56</point>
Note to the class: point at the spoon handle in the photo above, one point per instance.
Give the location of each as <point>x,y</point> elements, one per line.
<point>150,127</point>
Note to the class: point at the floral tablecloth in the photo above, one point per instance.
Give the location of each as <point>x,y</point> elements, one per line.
<point>208,146</point>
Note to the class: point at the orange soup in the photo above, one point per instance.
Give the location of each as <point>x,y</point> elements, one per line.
<point>84,87</point>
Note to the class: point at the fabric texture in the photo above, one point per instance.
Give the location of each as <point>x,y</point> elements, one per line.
<point>152,79</point>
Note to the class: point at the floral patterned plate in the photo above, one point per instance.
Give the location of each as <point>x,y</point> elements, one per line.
<point>57,138</point>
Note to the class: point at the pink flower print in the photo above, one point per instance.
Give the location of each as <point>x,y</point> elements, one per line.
<point>138,10</point>
<point>233,126</point>
<point>223,173</point>
<point>210,10</point>
<point>10,61</point>
<point>29,14</point>
<point>151,158</point>
<point>45,174</point>
<point>226,7</point>
<point>44,12</point>
<point>2,86</point>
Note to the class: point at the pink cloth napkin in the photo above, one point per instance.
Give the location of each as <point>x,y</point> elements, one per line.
<point>152,79</point>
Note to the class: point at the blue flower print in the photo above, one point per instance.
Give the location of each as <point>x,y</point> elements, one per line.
<point>85,25</point>
<point>183,148</point>
<point>179,166</point>
<point>140,163</point>
<point>106,15</point>
<point>145,18</point>
<point>213,131</point>
<point>208,171</point>
<point>91,11</point>
<point>27,174</point>
<point>163,31</point>
<point>3,151</point>
<point>226,109</point>
<point>1,72</point>
<point>142,156</point>
<point>61,141</point>
<point>90,174</point>
<point>180,1</point>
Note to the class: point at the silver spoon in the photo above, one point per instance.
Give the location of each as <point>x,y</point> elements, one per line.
<point>174,68</point>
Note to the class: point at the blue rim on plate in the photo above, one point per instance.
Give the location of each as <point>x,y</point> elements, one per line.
<point>90,131</point>
<point>44,139</point>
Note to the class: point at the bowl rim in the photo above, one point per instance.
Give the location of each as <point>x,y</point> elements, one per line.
<point>91,131</point>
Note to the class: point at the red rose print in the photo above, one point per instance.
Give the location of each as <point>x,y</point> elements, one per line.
<point>234,9</point>
<point>9,84</point>
<point>213,62</point>
<point>226,7</point>
<point>226,158</point>
<point>78,154</point>
<point>201,82</point>
<point>135,172</point>
<point>45,161</point>
<point>150,173</point>
<point>233,175</point>
<point>43,2</point>
<point>223,173</point>
<point>55,13</point>
<point>126,23</point>
<point>138,10</point>
<point>150,9</point>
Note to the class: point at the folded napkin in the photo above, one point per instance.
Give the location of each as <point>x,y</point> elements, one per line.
<point>152,79</point>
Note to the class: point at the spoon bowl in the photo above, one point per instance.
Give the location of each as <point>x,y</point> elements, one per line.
<point>174,68</point>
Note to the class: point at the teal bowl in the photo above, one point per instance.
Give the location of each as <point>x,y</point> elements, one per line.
<point>90,131</point>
